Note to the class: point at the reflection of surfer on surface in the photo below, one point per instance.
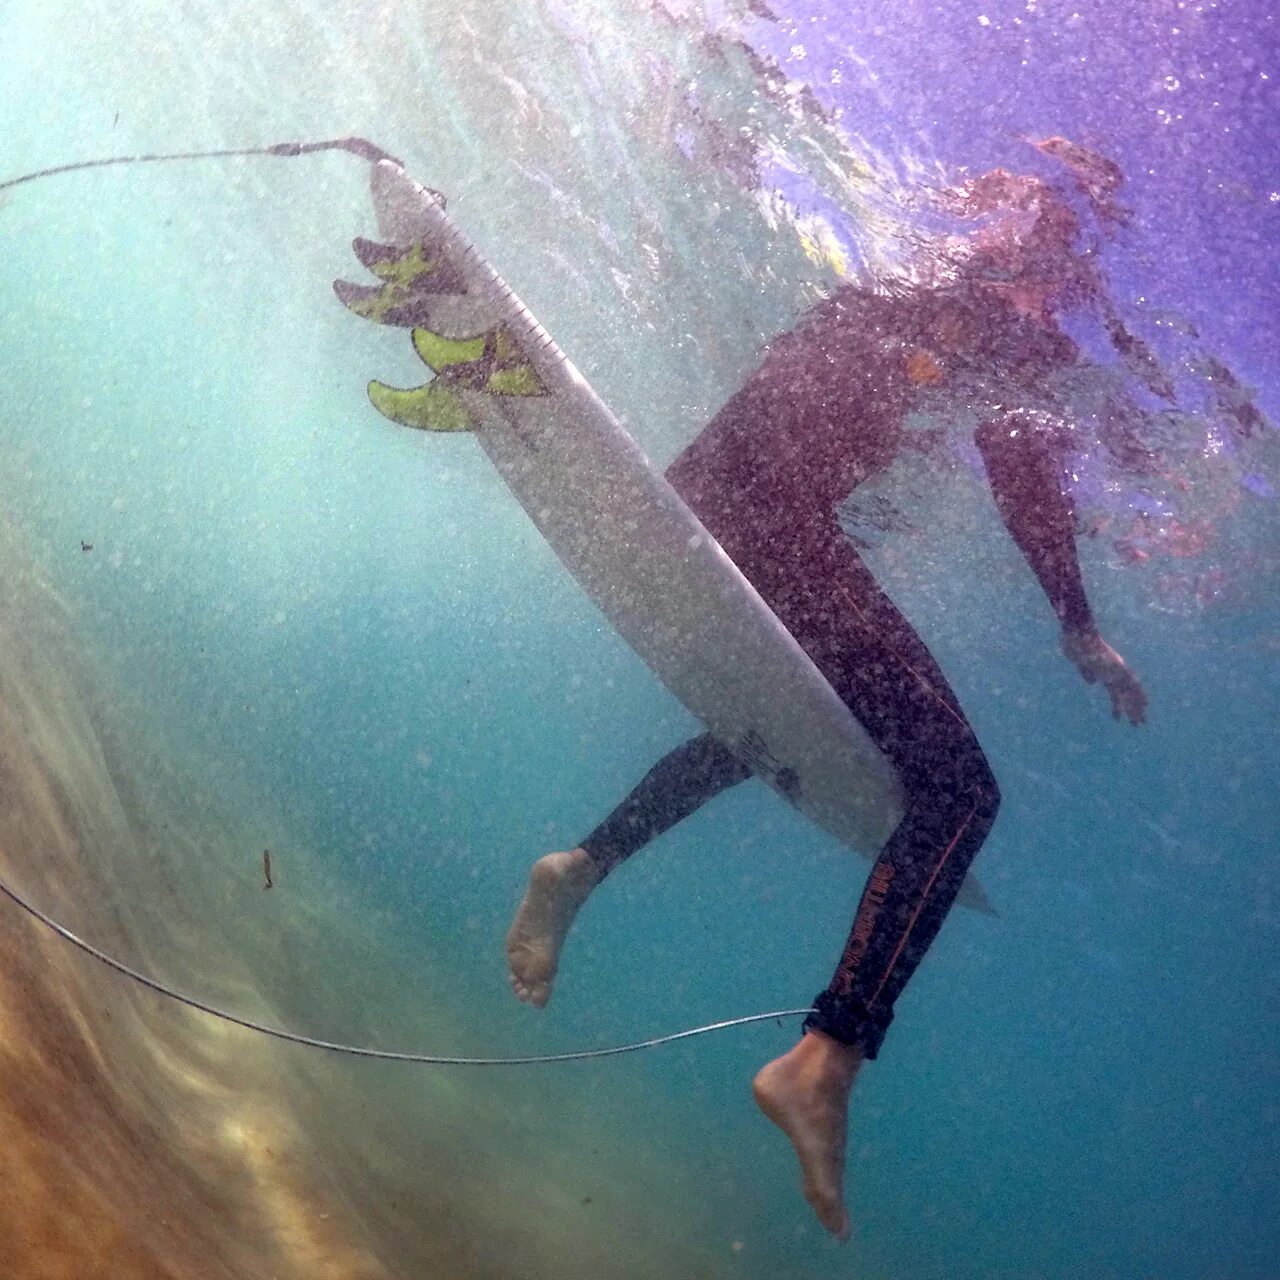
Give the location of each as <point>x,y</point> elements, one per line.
<point>826,410</point>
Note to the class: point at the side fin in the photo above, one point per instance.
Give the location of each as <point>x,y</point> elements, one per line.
<point>438,352</point>
<point>385,303</point>
<point>431,407</point>
<point>421,266</point>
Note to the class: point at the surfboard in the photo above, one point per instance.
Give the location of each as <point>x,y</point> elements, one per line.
<point>618,527</point>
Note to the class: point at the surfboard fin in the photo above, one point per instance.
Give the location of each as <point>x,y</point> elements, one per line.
<point>385,304</point>
<point>412,276</point>
<point>490,363</point>
<point>439,353</point>
<point>420,266</point>
<point>432,407</point>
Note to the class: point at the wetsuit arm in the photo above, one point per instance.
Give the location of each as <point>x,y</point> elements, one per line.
<point>1026,473</point>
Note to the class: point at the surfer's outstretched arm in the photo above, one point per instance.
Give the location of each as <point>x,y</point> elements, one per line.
<point>1026,475</point>
<point>1026,471</point>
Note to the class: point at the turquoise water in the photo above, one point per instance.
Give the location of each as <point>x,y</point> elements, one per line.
<point>347,643</point>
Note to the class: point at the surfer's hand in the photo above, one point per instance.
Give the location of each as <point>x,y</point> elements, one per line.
<point>1098,662</point>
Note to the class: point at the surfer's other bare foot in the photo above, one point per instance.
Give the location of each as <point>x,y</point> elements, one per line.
<point>558,885</point>
<point>806,1094</point>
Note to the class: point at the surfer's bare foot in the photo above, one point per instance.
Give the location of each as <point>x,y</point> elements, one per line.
<point>806,1094</point>
<point>558,885</point>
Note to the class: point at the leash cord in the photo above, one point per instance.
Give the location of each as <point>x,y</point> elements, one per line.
<point>362,1051</point>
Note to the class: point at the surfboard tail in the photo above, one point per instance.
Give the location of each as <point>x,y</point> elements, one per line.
<point>975,897</point>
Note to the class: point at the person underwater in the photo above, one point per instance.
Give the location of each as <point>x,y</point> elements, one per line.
<point>975,336</point>
<point>823,413</point>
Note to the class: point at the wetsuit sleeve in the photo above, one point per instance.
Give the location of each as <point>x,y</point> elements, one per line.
<point>1026,472</point>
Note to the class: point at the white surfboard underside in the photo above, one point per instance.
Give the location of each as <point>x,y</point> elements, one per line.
<point>645,559</point>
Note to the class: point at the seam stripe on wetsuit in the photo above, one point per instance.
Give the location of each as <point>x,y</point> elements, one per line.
<point>964,826</point>
<point>924,897</point>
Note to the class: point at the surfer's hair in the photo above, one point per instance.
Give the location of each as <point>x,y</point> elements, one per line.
<point>1029,232</point>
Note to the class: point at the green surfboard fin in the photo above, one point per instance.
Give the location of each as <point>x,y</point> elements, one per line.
<point>439,353</point>
<point>412,266</point>
<point>432,407</point>
<point>491,363</point>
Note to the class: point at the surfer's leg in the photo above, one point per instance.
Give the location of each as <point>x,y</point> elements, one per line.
<point>682,781</point>
<point>893,685</point>
<point>885,674</point>
<point>830,601</point>
<point>908,895</point>
<point>560,883</point>
<point>910,889</point>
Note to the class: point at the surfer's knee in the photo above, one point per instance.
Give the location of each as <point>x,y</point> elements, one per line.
<point>956,789</point>
<point>978,792</point>
<point>985,790</point>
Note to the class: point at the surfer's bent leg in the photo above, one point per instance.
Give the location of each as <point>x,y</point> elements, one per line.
<point>889,680</point>
<point>679,783</point>
<point>908,894</point>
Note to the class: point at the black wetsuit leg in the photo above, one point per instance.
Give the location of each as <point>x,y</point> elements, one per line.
<point>682,781</point>
<point>886,675</point>
<point>816,583</point>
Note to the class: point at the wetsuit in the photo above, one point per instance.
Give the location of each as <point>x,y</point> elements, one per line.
<point>824,412</point>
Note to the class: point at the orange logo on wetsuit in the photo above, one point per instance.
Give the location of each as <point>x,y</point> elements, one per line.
<point>923,369</point>
<point>872,901</point>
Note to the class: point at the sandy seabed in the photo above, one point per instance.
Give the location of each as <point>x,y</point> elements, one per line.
<point>141,1140</point>
<point>138,1139</point>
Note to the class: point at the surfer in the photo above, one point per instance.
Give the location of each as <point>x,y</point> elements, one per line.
<point>826,410</point>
